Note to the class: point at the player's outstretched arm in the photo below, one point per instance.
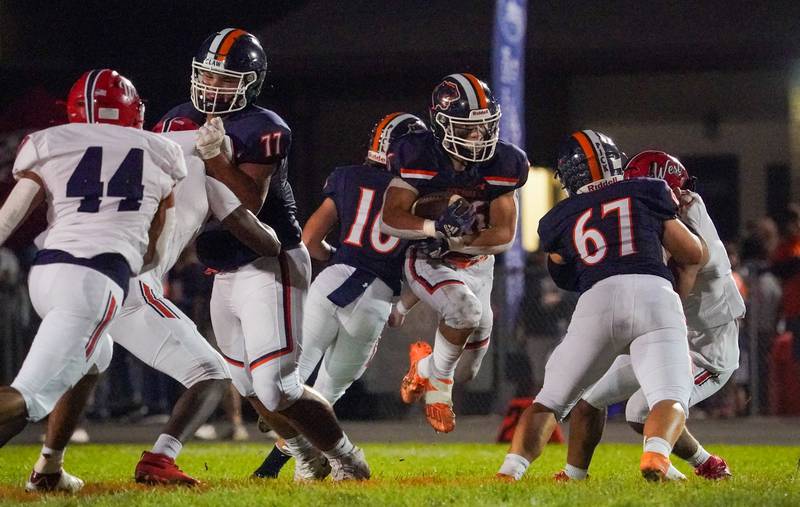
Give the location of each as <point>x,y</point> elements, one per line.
<point>499,236</point>
<point>396,217</point>
<point>26,195</point>
<point>317,227</point>
<point>248,229</point>
<point>160,233</point>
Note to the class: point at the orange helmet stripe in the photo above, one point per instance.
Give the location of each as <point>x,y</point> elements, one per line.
<point>227,42</point>
<point>594,165</point>
<point>376,140</point>
<point>476,85</point>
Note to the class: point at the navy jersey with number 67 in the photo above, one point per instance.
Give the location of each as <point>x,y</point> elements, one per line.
<point>612,231</point>
<point>357,191</point>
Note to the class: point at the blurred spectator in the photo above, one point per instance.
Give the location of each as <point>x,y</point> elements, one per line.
<point>544,316</point>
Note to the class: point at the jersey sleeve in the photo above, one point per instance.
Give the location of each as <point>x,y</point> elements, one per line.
<point>508,173</point>
<point>221,200</point>
<point>266,142</point>
<point>28,156</point>
<point>407,161</point>
<point>658,198</point>
<point>173,162</point>
<point>694,212</point>
<point>548,232</point>
<point>333,184</point>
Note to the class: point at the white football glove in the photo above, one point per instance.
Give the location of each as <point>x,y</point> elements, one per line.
<point>210,138</point>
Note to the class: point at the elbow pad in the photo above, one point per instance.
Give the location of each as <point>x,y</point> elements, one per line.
<point>565,275</point>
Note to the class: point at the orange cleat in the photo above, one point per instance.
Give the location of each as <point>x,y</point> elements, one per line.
<point>439,404</point>
<point>413,386</point>
<point>156,468</point>
<point>654,466</point>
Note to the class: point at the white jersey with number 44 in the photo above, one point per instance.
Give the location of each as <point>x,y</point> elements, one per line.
<point>103,185</point>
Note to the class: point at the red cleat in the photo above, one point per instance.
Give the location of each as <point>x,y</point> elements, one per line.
<point>160,469</point>
<point>654,466</point>
<point>561,476</point>
<point>713,469</point>
<point>413,386</point>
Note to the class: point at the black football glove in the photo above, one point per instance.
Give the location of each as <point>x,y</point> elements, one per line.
<point>435,248</point>
<point>457,220</point>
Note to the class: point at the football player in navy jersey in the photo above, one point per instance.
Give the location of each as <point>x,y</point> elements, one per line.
<point>256,304</point>
<point>451,268</point>
<point>350,300</point>
<point>605,241</point>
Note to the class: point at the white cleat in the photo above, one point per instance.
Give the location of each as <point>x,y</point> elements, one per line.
<point>59,481</point>
<point>351,466</point>
<point>311,466</point>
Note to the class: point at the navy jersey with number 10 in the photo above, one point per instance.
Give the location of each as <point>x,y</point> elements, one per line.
<point>612,231</point>
<point>357,192</point>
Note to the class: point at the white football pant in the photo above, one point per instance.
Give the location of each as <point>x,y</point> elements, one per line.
<point>76,304</point>
<point>636,314</point>
<point>257,314</point>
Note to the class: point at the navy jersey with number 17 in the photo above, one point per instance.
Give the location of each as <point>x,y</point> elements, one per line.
<point>612,231</point>
<point>357,192</point>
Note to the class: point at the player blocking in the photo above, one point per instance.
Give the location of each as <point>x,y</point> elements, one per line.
<point>108,187</point>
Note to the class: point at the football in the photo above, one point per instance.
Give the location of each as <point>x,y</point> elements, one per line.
<point>432,206</point>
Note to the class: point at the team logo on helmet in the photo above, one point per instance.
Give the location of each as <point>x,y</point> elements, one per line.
<point>446,94</point>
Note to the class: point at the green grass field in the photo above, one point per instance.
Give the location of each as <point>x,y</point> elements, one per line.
<point>409,474</point>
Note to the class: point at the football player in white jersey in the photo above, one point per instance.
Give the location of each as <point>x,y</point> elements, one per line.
<point>108,187</point>
<point>713,307</point>
<point>162,336</point>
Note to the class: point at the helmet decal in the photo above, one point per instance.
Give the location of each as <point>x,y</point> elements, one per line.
<point>222,44</point>
<point>445,95</point>
<point>661,165</point>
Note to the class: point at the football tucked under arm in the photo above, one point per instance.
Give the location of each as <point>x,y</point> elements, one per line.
<point>432,206</point>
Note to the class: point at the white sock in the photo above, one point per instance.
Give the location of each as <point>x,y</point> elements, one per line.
<point>343,446</point>
<point>514,466</point>
<point>659,445</point>
<point>575,473</point>
<point>445,357</point>
<point>698,458</point>
<point>673,474</point>
<point>50,461</point>
<point>298,446</point>
<point>167,445</point>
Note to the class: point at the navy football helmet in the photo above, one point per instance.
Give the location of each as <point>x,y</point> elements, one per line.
<point>227,72</point>
<point>587,157</point>
<point>465,117</point>
<point>390,128</point>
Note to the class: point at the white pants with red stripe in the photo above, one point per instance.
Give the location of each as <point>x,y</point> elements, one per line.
<point>346,337</point>
<point>154,330</point>
<point>636,314</point>
<point>461,297</point>
<point>257,316</point>
<point>620,384</point>
<point>76,305</point>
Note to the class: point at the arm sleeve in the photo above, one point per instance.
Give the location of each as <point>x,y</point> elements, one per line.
<point>221,200</point>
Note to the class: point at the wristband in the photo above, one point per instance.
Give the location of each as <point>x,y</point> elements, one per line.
<point>429,229</point>
<point>401,308</point>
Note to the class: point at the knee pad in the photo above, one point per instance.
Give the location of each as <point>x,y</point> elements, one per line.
<point>276,394</point>
<point>462,310</point>
<point>211,368</point>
